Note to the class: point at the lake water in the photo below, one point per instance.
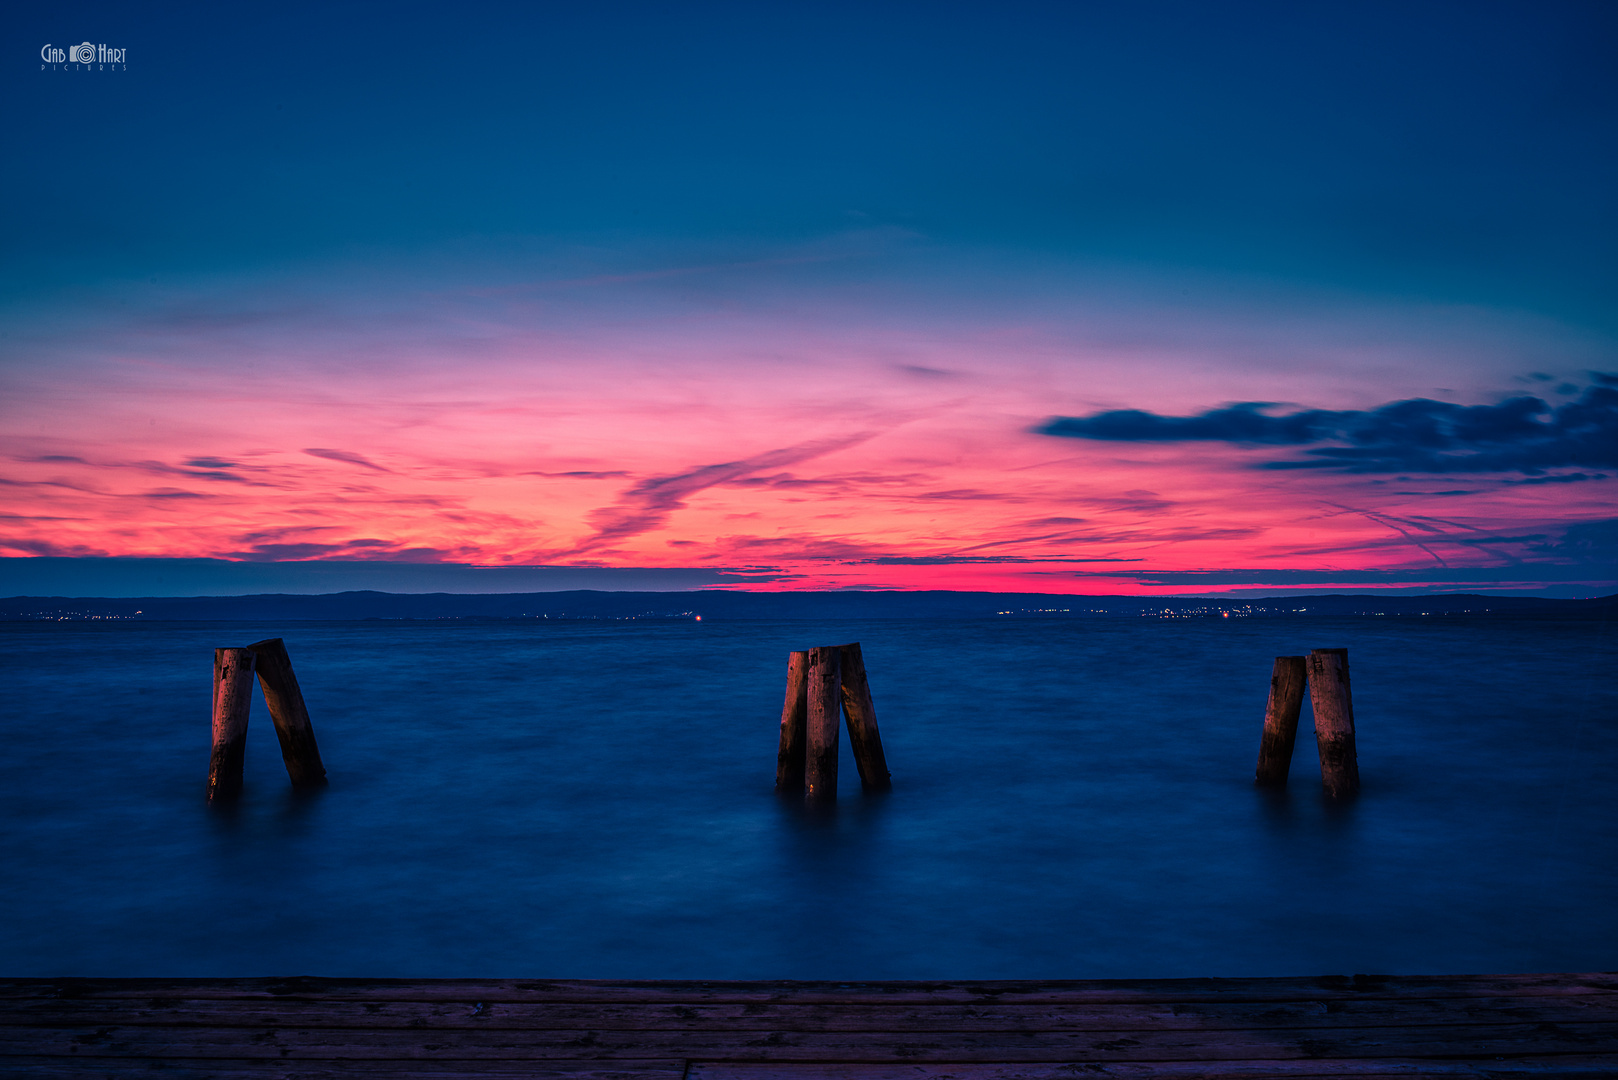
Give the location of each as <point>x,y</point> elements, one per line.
<point>1072,799</point>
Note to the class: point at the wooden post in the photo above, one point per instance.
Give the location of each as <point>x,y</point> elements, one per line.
<point>232,699</point>
<point>1287,681</point>
<point>285,701</point>
<point>863,735</point>
<point>789,759</point>
<point>1333,703</point>
<point>824,691</point>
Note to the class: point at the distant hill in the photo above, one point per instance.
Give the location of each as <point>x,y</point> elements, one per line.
<point>780,605</point>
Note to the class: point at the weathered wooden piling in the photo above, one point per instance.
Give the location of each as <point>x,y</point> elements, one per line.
<point>1333,703</point>
<point>863,735</point>
<point>789,760</point>
<point>298,748</point>
<point>1287,681</point>
<point>824,691</point>
<point>232,700</point>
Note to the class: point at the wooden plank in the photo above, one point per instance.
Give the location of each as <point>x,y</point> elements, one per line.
<point>80,1068</point>
<point>1545,1068</point>
<point>1320,988</point>
<point>1365,1027</point>
<point>278,1043</point>
<point>1560,1069</point>
<point>1571,1068</point>
<point>874,1016</point>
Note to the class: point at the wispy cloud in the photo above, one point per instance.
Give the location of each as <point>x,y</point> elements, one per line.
<point>345,455</point>
<point>648,504</point>
<point>363,550</point>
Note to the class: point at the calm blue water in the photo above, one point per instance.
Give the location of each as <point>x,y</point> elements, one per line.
<point>1072,799</point>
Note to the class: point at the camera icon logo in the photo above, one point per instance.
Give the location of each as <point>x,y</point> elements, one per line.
<point>82,54</point>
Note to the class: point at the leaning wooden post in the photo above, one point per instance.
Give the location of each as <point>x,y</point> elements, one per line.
<point>1287,681</point>
<point>1333,703</point>
<point>824,691</point>
<point>789,759</point>
<point>232,699</point>
<point>863,735</point>
<point>292,727</point>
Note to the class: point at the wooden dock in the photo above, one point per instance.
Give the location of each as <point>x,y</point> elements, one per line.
<point>309,1028</point>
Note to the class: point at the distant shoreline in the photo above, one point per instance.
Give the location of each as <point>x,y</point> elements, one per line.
<point>593,605</point>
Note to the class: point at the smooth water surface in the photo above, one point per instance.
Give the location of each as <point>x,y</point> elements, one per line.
<point>1072,799</point>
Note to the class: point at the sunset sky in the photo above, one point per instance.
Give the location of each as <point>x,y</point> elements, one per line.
<point>1129,298</point>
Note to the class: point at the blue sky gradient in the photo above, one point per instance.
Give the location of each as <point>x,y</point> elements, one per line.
<point>1460,151</point>
<point>532,268</point>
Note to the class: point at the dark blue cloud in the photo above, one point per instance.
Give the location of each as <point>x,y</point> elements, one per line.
<point>1522,434</point>
<point>1589,541</point>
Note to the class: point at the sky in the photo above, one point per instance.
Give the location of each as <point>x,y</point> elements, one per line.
<point>1088,298</point>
